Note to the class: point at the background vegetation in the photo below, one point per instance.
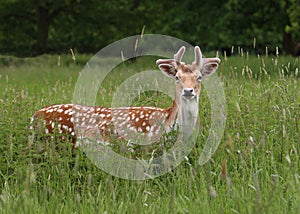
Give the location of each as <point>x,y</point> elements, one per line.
<point>31,27</point>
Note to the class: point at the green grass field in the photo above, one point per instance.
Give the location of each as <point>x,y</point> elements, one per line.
<point>256,168</point>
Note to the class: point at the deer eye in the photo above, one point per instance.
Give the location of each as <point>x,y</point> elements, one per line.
<point>199,78</point>
<point>176,78</point>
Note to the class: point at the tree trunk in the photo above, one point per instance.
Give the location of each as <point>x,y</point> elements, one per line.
<point>43,23</point>
<point>287,43</point>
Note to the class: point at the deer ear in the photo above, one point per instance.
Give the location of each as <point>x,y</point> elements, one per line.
<point>210,65</point>
<point>208,69</point>
<point>168,69</point>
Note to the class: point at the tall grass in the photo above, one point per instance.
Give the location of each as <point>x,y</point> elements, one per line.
<point>255,169</point>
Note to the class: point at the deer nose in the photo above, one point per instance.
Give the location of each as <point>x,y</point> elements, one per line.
<point>188,92</point>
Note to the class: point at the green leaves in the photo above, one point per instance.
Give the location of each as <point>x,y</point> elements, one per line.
<point>294,16</point>
<point>89,25</point>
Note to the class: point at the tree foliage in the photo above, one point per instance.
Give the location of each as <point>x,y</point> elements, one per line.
<point>30,27</point>
<point>293,12</point>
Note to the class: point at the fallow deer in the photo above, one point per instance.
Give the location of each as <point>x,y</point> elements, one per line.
<point>127,122</point>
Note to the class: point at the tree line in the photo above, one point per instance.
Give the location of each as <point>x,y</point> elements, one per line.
<point>33,27</point>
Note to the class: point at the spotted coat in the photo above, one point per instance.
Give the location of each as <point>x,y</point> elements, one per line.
<point>101,123</point>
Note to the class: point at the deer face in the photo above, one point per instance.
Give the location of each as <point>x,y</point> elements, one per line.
<point>188,80</point>
<point>188,77</point>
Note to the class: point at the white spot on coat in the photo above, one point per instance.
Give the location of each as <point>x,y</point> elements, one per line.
<point>148,128</point>
<point>60,110</point>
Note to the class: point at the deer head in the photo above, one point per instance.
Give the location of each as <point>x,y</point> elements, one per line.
<point>188,76</point>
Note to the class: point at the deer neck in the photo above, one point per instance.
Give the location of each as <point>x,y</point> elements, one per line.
<point>185,112</point>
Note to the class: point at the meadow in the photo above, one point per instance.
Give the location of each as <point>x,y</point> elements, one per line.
<point>256,168</point>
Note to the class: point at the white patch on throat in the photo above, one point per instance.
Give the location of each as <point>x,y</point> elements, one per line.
<point>187,115</point>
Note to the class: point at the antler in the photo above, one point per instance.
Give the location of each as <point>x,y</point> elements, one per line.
<point>198,56</point>
<point>177,58</point>
<point>178,55</point>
